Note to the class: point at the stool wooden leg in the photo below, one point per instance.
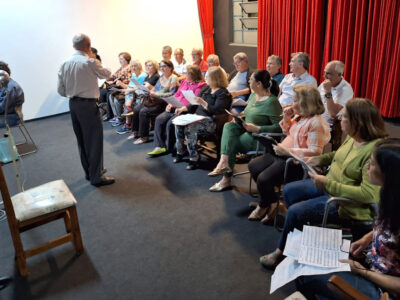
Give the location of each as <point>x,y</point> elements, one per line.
<point>75,229</point>
<point>67,221</point>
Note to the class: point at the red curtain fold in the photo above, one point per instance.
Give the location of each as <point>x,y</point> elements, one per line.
<point>205,8</point>
<point>288,26</point>
<point>364,34</point>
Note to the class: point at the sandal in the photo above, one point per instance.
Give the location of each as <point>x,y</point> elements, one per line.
<point>219,187</point>
<point>132,136</point>
<point>271,260</point>
<point>141,140</point>
<point>258,213</point>
<point>272,212</point>
<point>224,171</point>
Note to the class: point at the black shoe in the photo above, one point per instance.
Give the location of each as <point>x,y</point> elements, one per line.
<point>102,173</point>
<point>178,158</point>
<point>105,180</point>
<point>193,164</point>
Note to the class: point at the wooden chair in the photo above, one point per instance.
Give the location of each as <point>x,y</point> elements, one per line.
<point>36,207</point>
<point>348,292</point>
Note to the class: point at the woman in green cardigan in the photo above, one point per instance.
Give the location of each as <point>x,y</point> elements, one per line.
<point>262,114</point>
<point>347,177</point>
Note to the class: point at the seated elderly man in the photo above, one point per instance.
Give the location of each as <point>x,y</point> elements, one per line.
<point>334,90</point>
<point>239,81</point>
<point>166,53</point>
<point>299,65</point>
<point>179,62</point>
<point>15,101</point>
<point>274,64</point>
<point>197,57</point>
<point>213,61</point>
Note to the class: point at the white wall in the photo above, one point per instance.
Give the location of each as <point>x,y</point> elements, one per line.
<point>36,38</point>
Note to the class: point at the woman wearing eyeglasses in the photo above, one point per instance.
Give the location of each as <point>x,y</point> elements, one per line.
<point>152,104</point>
<point>375,262</point>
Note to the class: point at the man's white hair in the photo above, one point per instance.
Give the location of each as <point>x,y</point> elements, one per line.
<point>339,66</point>
<point>81,41</point>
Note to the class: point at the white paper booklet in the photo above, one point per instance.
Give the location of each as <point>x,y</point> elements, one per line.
<point>239,102</point>
<point>190,96</point>
<point>187,119</point>
<point>140,86</point>
<point>173,101</point>
<point>314,251</point>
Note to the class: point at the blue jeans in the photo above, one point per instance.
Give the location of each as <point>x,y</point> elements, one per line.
<point>306,205</point>
<point>12,120</point>
<point>310,286</point>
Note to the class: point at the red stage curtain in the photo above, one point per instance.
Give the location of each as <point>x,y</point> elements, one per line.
<point>288,26</point>
<point>205,8</point>
<point>364,34</point>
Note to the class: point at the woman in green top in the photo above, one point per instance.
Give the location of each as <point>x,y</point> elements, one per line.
<point>262,114</point>
<point>347,177</point>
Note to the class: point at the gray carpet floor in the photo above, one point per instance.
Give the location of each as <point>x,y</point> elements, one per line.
<point>157,233</point>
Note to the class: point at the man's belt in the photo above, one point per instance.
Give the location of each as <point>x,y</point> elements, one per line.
<point>75,98</point>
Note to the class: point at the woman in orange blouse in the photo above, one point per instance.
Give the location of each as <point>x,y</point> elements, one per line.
<point>307,134</point>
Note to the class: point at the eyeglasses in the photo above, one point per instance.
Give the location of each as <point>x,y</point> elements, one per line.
<point>149,65</point>
<point>163,66</point>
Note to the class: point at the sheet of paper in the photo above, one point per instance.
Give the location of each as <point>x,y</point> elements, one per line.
<point>289,269</point>
<point>190,96</point>
<point>239,102</point>
<point>292,244</point>
<point>140,86</point>
<point>187,119</point>
<point>173,101</point>
<point>307,166</point>
<point>321,247</point>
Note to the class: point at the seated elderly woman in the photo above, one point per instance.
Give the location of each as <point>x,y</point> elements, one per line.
<point>375,263</point>
<point>130,97</point>
<point>262,114</point>
<point>307,135</point>
<point>347,177</point>
<point>213,100</point>
<point>16,99</point>
<point>152,104</point>
<point>121,76</point>
<point>164,130</point>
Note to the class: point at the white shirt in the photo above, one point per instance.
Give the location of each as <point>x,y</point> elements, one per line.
<point>180,68</point>
<point>78,76</point>
<point>289,82</point>
<point>341,93</point>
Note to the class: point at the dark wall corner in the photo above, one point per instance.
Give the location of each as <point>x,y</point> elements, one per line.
<point>223,37</point>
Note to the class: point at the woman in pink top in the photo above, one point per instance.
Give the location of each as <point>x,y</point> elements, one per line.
<point>164,131</point>
<point>307,134</point>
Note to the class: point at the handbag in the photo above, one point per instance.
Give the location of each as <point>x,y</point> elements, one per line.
<point>151,101</point>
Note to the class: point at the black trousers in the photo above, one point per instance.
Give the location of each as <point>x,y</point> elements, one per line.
<point>88,130</point>
<point>141,118</point>
<point>104,98</point>
<point>268,171</point>
<point>164,131</point>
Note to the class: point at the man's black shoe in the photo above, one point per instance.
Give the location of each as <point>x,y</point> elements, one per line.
<point>105,180</point>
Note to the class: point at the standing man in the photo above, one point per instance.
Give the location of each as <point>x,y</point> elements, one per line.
<point>299,65</point>
<point>77,79</point>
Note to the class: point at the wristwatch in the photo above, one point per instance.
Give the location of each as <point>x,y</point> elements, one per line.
<point>328,95</point>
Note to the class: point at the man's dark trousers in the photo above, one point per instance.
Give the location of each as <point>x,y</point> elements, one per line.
<point>88,129</point>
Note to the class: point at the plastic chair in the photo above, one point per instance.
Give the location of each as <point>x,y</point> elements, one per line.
<point>36,207</point>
